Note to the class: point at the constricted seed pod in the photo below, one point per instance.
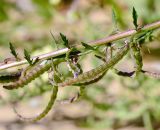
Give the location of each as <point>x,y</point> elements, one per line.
<point>45,111</point>
<point>31,75</point>
<point>95,74</point>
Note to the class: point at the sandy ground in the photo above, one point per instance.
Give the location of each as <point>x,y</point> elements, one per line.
<point>59,119</point>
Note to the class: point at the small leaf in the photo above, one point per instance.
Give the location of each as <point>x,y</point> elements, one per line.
<point>135,17</point>
<point>87,46</point>
<point>55,41</point>
<point>114,19</point>
<point>28,57</point>
<point>13,51</point>
<point>65,40</point>
<point>95,50</point>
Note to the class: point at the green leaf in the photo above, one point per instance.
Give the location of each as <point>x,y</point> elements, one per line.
<point>55,41</point>
<point>135,17</point>
<point>95,50</point>
<point>13,51</point>
<point>114,19</point>
<point>28,57</point>
<point>65,40</point>
<point>88,46</point>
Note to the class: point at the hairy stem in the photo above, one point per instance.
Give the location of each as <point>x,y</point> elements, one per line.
<point>108,39</point>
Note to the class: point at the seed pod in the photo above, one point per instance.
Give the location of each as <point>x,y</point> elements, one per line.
<point>34,73</point>
<point>45,111</point>
<point>94,74</point>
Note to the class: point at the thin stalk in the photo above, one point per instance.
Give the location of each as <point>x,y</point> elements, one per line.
<point>125,34</point>
<point>147,121</point>
<point>40,57</point>
<point>106,40</point>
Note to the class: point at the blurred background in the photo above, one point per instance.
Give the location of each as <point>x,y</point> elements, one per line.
<point>112,103</point>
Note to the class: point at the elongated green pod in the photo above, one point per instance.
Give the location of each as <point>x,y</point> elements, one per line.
<point>137,56</point>
<point>36,72</point>
<point>85,78</point>
<point>94,74</point>
<point>45,111</point>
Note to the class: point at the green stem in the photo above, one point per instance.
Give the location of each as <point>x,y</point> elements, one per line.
<point>147,121</point>
<point>106,40</point>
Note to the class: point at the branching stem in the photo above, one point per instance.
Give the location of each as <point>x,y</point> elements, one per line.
<point>106,40</point>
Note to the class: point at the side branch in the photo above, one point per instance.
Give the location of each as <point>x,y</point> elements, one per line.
<point>102,41</point>
<point>125,34</point>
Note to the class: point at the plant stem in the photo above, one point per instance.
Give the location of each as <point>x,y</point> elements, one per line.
<point>108,39</point>
<point>125,34</point>
<point>40,57</point>
<point>147,121</point>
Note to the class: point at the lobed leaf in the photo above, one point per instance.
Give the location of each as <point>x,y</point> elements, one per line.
<point>28,57</point>
<point>135,17</point>
<point>65,40</point>
<point>13,50</point>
